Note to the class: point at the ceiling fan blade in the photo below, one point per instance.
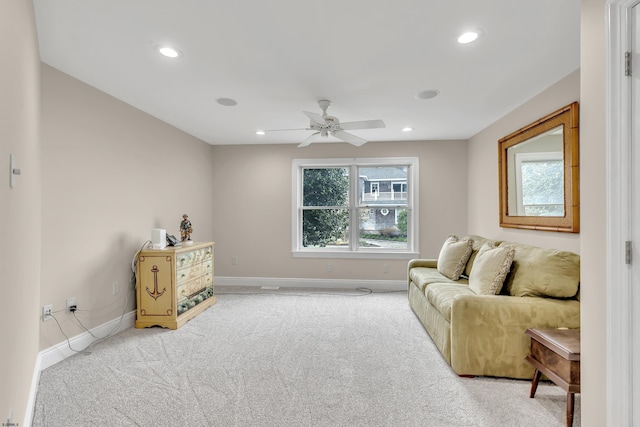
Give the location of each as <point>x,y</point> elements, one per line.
<point>365,124</point>
<point>309,139</point>
<point>282,130</point>
<point>350,138</point>
<point>316,118</point>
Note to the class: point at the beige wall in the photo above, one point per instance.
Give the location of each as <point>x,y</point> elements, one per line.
<point>20,207</point>
<point>483,168</point>
<point>252,207</point>
<point>110,174</point>
<point>593,198</point>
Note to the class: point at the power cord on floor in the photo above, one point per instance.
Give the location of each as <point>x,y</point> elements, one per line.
<point>116,327</point>
<point>124,307</point>
<point>83,327</point>
<point>67,338</point>
<point>400,291</point>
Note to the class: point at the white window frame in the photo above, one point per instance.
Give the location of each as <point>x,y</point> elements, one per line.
<point>412,251</point>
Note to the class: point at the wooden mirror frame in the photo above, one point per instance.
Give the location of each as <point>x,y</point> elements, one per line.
<point>567,117</point>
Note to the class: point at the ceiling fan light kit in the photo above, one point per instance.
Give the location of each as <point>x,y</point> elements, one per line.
<point>325,125</point>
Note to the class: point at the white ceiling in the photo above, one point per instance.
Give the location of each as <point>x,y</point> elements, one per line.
<point>277,58</point>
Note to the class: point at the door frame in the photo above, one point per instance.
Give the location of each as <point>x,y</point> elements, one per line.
<point>619,315</point>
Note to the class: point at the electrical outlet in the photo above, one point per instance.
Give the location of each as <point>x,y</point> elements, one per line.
<point>116,288</point>
<point>47,312</point>
<point>385,268</point>
<point>71,304</point>
<point>234,260</point>
<point>329,268</point>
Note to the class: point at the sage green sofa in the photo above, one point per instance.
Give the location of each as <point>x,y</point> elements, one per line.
<point>484,335</point>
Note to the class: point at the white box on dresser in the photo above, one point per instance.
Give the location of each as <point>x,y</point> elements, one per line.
<point>173,284</point>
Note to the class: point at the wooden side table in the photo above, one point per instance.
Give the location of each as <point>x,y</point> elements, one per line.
<point>556,354</point>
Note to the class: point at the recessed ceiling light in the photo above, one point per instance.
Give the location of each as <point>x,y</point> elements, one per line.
<point>407,129</point>
<point>427,94</point>
<point>227,102</point>
<point>260,132</point>
<point>169,51</point>
<point>468,36</point>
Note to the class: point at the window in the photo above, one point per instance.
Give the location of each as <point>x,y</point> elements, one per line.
<point>374,188</point>
<point>360,208</point>
<point>540,184</point>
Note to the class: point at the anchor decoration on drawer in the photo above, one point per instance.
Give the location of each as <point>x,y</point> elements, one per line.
<point>155,294</point>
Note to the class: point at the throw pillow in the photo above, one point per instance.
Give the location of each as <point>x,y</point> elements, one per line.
<point>453,256</point>
<point>478,241</point>
<point>538,272</point>
<point>490,269</point>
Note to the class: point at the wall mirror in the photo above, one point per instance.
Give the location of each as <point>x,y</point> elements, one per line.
<point>538,168</point>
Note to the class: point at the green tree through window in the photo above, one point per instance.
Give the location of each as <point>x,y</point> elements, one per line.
<point>543,187</point>
<point>325,217</point>
<point>402,222</point>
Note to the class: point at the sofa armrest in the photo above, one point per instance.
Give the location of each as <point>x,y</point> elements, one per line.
<point>428,263</point>
<point>488,332</point>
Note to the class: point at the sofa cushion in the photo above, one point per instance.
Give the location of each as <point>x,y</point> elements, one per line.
<point>478,241</point>
<point>490,269</point>
<point>423,276</point>
<point>542,272</point>
<point>441,296</point>
<point>453,256</point>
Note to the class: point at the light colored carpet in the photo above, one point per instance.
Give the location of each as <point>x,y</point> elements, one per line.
<point>285,358</point>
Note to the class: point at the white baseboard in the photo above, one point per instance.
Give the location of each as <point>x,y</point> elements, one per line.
<point>35,380</point>
<point>377,285</point>
<point>61,351</point>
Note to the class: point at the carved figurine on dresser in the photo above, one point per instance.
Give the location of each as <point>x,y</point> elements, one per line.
<point>185,228</point>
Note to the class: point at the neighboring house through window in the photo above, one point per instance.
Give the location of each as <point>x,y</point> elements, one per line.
<point>365,208</point>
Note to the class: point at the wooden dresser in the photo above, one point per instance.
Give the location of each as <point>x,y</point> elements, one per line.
<point>173,284</point>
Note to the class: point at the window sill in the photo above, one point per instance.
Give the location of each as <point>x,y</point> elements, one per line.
<point>355,255</point>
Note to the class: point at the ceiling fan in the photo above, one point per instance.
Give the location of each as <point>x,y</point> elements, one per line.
<point>326,125</point>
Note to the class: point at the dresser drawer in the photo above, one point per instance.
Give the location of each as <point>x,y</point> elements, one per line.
<point>191,287</point>
<point>188,289</point>
<point>194,257</point>
<point>193,271</point>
